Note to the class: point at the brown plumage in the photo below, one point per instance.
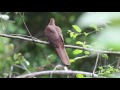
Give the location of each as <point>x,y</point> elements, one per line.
<point>55,37</point>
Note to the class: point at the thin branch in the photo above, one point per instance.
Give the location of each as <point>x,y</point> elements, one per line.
<point>26,26</point>
<point>25,67</point>
<point>67,46</point>
<point>63,72</point>
<point>96,64</point>
<point>58,66</point>
<point>19,66</point>
<point>86,56</point>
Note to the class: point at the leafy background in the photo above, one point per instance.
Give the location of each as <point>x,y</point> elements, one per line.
<point>96,30</point>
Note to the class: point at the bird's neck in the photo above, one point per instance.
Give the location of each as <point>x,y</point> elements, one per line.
<point>52,21</point>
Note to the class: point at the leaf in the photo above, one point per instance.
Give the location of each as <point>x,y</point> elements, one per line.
<point>69,31</point>
<point>87,52</point>
<point>79,42</point>
<point>105,56</point>
<point>86,34</point>
<point>17,62</point>
<point>15,56</point>
<point>79,76</point>
<point>4,17</point>
<point>77,51</point>
<point>100,67</point>
<point>76,28</point>
<point>72,60</point>
<point>75,35</point>
<point>5,75</point>
<point>11,47</point>
<point>71,34</point>
<point>93,26</point>
<point>26,62</point>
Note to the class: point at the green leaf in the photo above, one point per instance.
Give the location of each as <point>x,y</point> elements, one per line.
<point>105,56</point>
<point>84,46</point>
<point>5,75</point>
<point>72,60</point>
<point>17,62</point>
<point>26,62</point>
<point>15,56</point>
<point>11,47</point>
<point>88,46</point>
<point>79,42</point>
<point>87,52</point>
<point>86,34</point>
<point>69,31</point>
<point>76,28</point>
<point>71,34</point>
<point>100,67</point>
<point>93,26</point>
<point>75,35</point>
<point>79,76</point>
<point>77,51</point>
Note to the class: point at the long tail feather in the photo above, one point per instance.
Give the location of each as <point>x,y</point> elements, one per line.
<point>63,55</point>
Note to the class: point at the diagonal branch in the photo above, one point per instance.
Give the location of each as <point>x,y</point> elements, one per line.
<point>96,64</point>
<point>67,46</point>
<point>63,72</point>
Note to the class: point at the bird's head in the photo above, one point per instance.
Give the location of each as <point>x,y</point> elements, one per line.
<point>52,21</point>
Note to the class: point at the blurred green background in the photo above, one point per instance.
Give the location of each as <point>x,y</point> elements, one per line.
<point>40,57</point>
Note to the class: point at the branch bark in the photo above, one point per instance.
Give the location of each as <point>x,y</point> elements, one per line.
<point>67,46</point>
<point>63,72</point>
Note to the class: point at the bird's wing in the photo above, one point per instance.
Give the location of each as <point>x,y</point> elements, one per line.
<point>52,35</point>
<point>60,33</point>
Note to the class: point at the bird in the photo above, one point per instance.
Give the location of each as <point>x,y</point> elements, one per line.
<point>55,38</point>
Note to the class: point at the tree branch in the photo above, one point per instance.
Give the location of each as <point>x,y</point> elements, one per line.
<point>67,46</point>
<point>57,72</point>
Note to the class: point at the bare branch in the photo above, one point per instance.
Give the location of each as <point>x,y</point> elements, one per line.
<point>63,72</point>
<point>67,46</point>
<point>25,24</point>
<point>95,64</point>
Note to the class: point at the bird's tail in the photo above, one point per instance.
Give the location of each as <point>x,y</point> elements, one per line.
<point>63,55</point>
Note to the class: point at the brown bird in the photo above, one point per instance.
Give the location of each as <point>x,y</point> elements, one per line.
<point>55,37</point>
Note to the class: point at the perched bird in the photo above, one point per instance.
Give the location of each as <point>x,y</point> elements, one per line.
<point>55,38</point>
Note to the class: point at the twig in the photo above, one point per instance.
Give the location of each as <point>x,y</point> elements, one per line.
<point>58,66</point>
<point>19,66</point>
<point>25,67</point>
<point>67,46</point>
<point>81,57</point>
<point>95,64</point>
<point>11,69</point>
<point>57,72</point>
<point>26,26</point>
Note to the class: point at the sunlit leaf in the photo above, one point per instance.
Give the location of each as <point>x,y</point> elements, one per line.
<point>17,62</point>
<point>87,52</point>
<point>105,56</point>
<point>15,56</point>
<point>11,47</point>
<point>79,42</point>
<point>79,76</point>
<point>72,60</point>
<point>69,31</point>
<point>77,51</point>
<point>5,75</point>
<point>86,34</point>
<point>76,28</point>
<point>4,17</point>
<point>93,26</point>
<point>26,62</point>
<point>100,68</point>
<point>71,34</point>
<point>75,35</point>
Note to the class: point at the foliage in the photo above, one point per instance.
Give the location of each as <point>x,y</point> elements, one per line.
<point>108,71</point>
<point>97,31</point>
